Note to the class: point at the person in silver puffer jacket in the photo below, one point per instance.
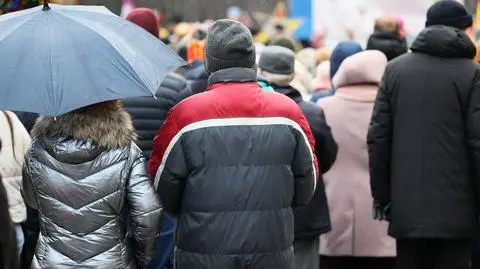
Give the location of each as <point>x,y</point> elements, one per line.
<point>89,182</point>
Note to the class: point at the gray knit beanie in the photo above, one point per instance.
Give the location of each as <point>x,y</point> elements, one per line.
<point>229,45</point>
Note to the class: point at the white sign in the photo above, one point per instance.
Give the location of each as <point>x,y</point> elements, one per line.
<point>342,19</point>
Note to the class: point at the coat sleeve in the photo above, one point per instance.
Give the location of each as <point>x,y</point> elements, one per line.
<point>144,209</point>
<point>325,146</point>
<point>379,140</point>
<point>27,185</point>
<point>168,165</point>
<point>305,166</point>
<point>473,130</point>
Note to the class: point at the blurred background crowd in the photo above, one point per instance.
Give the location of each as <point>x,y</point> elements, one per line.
<point>325,45</point>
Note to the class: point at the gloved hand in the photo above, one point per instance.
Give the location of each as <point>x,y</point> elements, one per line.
<point>381,211</point>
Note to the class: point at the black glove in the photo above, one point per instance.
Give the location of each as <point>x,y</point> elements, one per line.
<point>381,211</point>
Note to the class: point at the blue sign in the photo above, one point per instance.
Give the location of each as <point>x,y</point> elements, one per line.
<point>302,9</point>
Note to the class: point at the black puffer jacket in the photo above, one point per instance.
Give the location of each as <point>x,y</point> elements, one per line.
<point>149,113</point>
<point>314,219</point>
<point>197,77</point>
<point>388,43</point>
<point>424,138</point>
<point>231,163</point>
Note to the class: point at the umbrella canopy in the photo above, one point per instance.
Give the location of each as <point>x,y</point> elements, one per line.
<point>59,58</point>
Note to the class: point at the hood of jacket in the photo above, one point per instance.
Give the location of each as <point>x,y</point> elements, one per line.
<point>388,43</point>
<point>359,75</point>
<point>443,41</point>
<point>340,53</point>
<point>81,135</point>
<point>365,67</point>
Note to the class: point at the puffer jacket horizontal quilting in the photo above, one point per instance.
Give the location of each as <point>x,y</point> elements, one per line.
<point>148,113</point>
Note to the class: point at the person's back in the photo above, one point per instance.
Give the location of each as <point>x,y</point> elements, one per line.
<point>89,182</point>
<point>220,169</point>
<point>430,90</point>
<point>423,143</point>
<point>277,66</point>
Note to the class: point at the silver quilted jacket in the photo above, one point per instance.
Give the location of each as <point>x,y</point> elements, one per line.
<point>89,182</point>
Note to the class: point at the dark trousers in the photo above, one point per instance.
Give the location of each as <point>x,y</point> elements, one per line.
<point>31,230</point>
<point>433,254</point>
<point>306,253</point>
<point>329,262</point>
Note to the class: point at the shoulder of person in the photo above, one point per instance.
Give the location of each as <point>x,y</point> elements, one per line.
<point>174,82</point>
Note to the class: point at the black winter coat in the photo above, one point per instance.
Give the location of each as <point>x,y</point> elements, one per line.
<point>388,43</point>
<point>314,219</point>
<point>149,113</point>
<point>424,138</point>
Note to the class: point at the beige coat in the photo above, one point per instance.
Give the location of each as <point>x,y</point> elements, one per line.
<point>11,162</point>
<point>303,80</point>
<point>354,232</point>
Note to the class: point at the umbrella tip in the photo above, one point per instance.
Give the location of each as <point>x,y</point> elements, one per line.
<point>46,7</point>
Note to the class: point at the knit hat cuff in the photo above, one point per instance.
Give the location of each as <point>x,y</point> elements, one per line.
<point>213,64</point>
<point>461,23</point>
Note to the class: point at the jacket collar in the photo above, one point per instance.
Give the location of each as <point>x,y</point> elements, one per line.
<point>232,75</point>
<point>289,91</point>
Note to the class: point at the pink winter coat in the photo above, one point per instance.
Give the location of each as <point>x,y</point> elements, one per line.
<point>354,232</point>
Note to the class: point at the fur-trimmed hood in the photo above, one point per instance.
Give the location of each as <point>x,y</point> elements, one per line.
<point>106,126</point>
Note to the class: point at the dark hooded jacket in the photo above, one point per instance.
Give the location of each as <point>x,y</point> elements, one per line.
<point>149,113</point>
<point>424,138</point>
<point>231,163</point>
<point>89,182</point>
<point>314,219</point>
<point>390,44</point>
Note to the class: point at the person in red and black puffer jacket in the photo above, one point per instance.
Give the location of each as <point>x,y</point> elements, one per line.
<point>233,162</point>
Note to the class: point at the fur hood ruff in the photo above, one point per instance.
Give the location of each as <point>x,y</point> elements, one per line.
<point>105,126</point>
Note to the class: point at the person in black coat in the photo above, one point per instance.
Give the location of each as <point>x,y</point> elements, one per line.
<point>424,144</point>
<point>387,38</point>
<point>389,43</point>
<point>149,113</point>
<point>277,65</point>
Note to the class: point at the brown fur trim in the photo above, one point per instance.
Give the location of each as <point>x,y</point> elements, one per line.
<point>106,125</point>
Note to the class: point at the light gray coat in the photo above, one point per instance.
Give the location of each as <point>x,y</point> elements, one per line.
<point>89,182</point>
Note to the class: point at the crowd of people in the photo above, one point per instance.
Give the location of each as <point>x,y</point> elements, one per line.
<point>260,155</point>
